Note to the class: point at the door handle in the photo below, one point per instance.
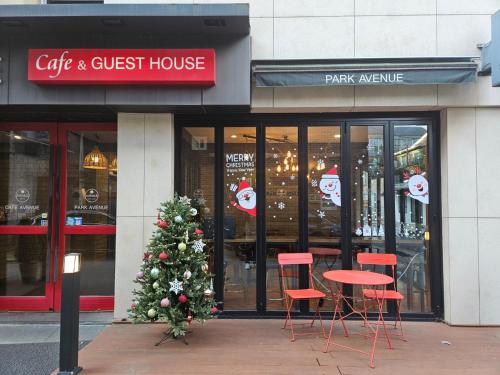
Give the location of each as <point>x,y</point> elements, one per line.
<point>57,215</point>
<point>50,211</point>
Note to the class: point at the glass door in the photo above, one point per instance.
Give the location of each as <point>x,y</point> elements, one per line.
<point>57,195</point>
<point>88,204</point>
<point>27,224</point>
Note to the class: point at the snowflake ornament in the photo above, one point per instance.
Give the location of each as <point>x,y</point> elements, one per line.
<point>175,286</point>
<point>275,156</point>
<point>321,161</point>
<point>185,200</point>
<point>202,201</point>
<point>281,205</point>
<point>314,183</point>
<point>321,214</point>
<point>198,246</point>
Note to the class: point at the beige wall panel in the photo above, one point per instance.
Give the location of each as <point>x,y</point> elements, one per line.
<point>459,35</point>
<point>333,96</point>
<point>130,189</point>
<point>313,37</point>
<point>395,36</point>
<point>488,160</point>
<point>313,8</point>
<point>262,38</point>
<point>405,96</point>
<point>461,163</point>
<point>391,7</point>
<point>463,275</point>
<point>489,259</point>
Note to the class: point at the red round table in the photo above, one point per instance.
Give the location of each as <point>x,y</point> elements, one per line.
<point>364,278</point>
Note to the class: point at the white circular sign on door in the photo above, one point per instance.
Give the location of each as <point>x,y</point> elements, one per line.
<point>91,195</point>
<point>22,195</point>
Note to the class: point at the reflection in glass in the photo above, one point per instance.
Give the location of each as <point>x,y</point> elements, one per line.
<point>24,162</point>
<point>367,199</point>
<point>197,179</point>
<point>282,209</point>
<point>324,205</point>
<point>22,265</point>
<point>240,207</point>
<point>97,272</point>
<point>91,180</point>
<point>411,190</point>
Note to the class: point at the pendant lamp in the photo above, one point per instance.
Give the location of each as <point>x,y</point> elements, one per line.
<point>113,167</point>
<point>95,159</point>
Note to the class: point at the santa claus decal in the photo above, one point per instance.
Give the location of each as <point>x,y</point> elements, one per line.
<point>418,186</point>
<point>247,198</point>
<point>330,186</point>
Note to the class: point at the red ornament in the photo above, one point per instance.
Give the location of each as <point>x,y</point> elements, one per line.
<point>162,224</point>
<point>198,231</point>
<point>133,306</point>
<point>189,319</point>
<point>146,256</point>
<point>183,298</point>
<point>163,256</point>
<point>214,310</point>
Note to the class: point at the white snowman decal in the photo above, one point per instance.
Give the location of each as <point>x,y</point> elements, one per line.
<point>247,198</point>
<point>418,186</point>
<point>330,186</point>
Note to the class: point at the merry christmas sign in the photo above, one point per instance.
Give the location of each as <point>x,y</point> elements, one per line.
<point>177,67</point>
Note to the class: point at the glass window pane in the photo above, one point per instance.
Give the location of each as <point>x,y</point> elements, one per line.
<point>22,265</point>
<point>240,218</point>
<point>97,276</point>
<point>197,179</point>
<point>282,209</point>
<point>24,162</point>
<point>324,203</point>
<point>411,190</point>
<point>91,179</point>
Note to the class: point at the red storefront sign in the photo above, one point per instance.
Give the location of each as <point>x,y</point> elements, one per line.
<point>176,67</point>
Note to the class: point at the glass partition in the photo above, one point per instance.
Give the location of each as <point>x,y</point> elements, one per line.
<point>197,162</point>
<point>324,202</point>
<point>240,210</point>
<point>282,210</point>
<point>411,190</point>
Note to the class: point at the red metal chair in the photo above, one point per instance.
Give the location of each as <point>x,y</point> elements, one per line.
<point>372,294</point>
<point>292,295</point>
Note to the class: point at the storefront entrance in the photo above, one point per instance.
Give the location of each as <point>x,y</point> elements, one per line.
<point>57,195</point>
<point>333,187</point>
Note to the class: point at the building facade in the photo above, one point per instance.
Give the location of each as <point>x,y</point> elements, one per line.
<point>360,159</point>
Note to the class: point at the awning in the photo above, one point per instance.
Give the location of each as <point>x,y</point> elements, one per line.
<point>364,72</point>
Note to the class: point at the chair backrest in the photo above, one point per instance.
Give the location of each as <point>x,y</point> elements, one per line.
<point>377,259</point>
<point>292,259</point>
<point>285,259</point>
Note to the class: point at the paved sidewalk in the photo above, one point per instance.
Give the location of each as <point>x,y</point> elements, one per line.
<point>29,342</point>
<point>262,347</point>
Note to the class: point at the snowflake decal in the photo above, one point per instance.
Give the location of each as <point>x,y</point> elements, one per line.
<point>275,156</point>
<point>321,161</point>
<point>314,183</point>
<point>185,199</point>
<point>175,286</point>
<point>202,201</point>
<point>321,214</point>
<point>281,205</point>
<point>198,246</point>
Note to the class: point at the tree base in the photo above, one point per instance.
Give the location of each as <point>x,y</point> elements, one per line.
<point>169,337</point>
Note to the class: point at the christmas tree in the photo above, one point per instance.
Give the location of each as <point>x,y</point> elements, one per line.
<point>176,286</point>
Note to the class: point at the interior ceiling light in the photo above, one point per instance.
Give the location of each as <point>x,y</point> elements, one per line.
<point>95,159</point>
<point>113,167</point>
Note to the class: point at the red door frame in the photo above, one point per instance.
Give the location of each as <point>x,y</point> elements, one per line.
<point>52,298</point>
